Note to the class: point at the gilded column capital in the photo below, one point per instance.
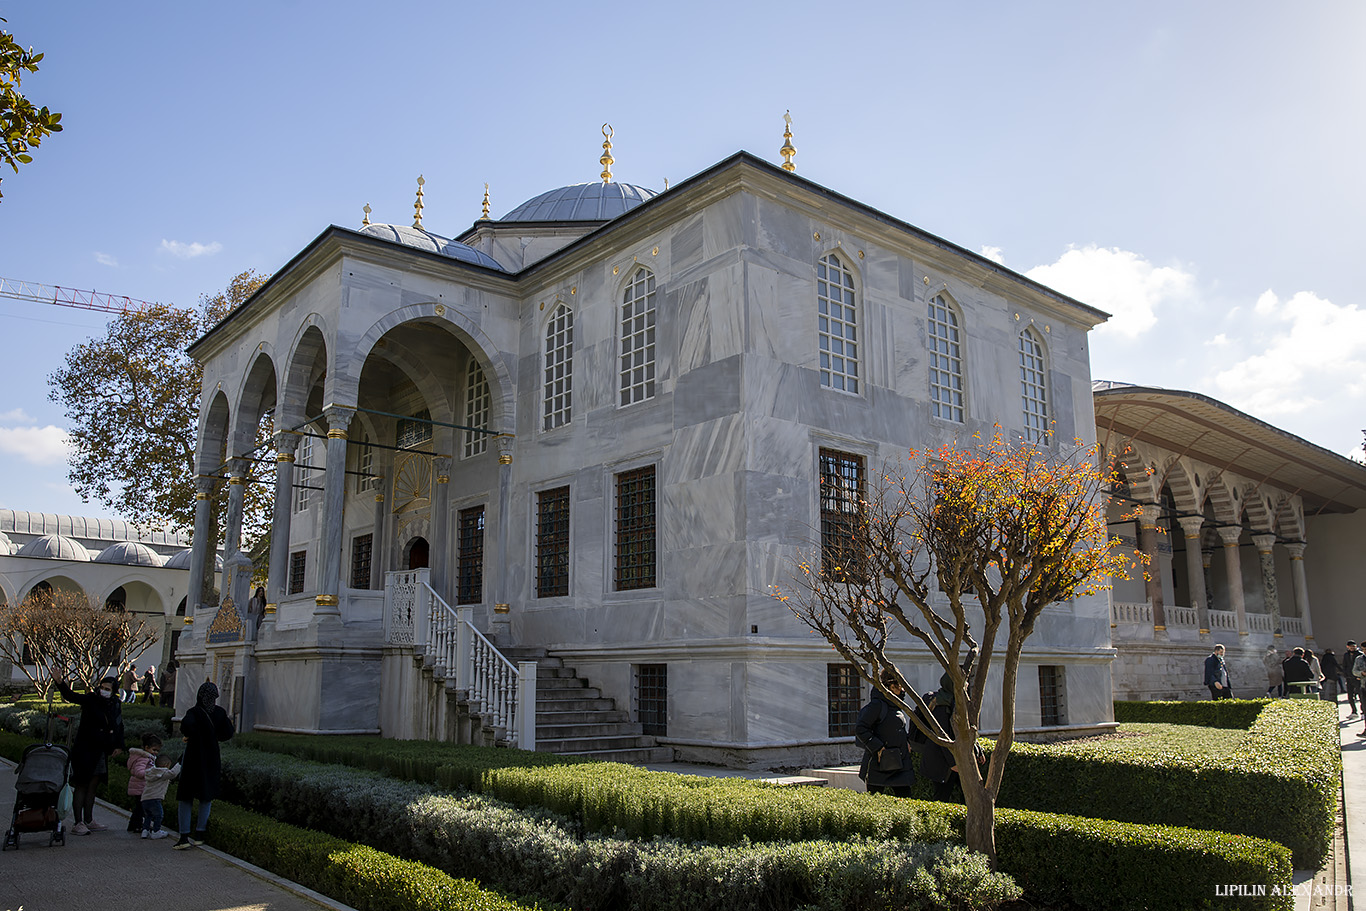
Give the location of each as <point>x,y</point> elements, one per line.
<point>1192,526</point>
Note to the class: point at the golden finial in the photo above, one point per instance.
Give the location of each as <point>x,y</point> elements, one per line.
<point>607,159</point>
<point>366,220</point>
<point>485,216</point>
<point>666,183</point>
<point>417,206</point>
<point>788,149</point>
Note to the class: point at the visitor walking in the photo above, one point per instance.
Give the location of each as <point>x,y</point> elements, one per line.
<point>1315,669</point>
<point>204,726</point>
<point>149,684</point>
<point>882,732</point>
<point>1349,658</point>
<point>128,681</point>
<point>1216,675</point>
<point>99,736</point>
<point>168,683</point>
<point>1331,674</point>
<point>1275,675</point>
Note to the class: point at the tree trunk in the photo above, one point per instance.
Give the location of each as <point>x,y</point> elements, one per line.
<point>980,822</point>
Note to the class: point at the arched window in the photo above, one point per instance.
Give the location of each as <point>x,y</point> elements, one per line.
<point>837,324</point>
<point>946,361</point>
<point>303,473</point>
<point>559,368</point>
<point>638,338</point>
<point>365,464</point>
<point>478,401</point>
<point>1033,388</point>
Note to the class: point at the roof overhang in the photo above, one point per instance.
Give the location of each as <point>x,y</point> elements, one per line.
<point>1212,432</point>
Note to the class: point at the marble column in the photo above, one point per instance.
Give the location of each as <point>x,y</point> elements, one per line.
<point>498,580</point>
<point>441,509</point>
<point>1191,527</point>
<point>1233,568</point>
<point>377,539</point>
<point>202,550</point>
<point>237,492</point>
<point>1152,573</point>
<point>278,583</point>
<point>1266,556</point>
<point>326,600</point>
<point>1301,583</point>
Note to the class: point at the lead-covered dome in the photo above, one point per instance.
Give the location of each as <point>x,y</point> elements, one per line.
<point>181,560</point>
<point>421,239</point>
<point>130,553</point>
<point>55,547</point>
<point>582,202</point>
<point>6,545</point>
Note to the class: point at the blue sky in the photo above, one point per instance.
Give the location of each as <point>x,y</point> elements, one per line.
<point>1194,169</point>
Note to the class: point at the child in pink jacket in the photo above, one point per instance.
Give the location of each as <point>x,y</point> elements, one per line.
<point>139,761</point>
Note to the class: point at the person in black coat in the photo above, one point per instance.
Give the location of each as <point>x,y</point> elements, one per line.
<point>203,727</point>
<point>99,736</point>
<point>882,732</point>
<point>1297,671</point>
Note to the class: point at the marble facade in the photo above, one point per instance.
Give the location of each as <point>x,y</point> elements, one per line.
<point>369,338</point>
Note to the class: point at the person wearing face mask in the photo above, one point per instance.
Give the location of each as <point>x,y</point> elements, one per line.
<point>98,737</point>
<point>204,726</point>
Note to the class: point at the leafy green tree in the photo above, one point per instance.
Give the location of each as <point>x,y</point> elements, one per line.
<point>132,403</point>
<point>963,551</point>
<point>23,125</point>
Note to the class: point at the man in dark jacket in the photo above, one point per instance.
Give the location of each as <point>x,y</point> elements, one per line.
<point>882,732</point>
<point>1216,675</point>
<point>1298,674</point>
<point>1349,658</point>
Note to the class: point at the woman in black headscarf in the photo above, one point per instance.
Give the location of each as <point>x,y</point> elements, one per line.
<point>99,736</point>
<point>204,726</point>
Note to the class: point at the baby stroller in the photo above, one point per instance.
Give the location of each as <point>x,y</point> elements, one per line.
<point>42,774</point>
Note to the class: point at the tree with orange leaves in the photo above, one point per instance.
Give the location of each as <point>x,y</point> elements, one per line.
<point>963,540</point>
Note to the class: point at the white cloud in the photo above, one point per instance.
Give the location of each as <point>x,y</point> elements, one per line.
<point>1298,355</point>
<point>995,254</point>
<point>189,251</point>
<point>36,445</point>
<point>15,416</point>
<point>1120,282</point>
<point>104,259</point>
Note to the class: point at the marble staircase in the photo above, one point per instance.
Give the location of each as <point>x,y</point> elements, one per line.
<point>575,719</point>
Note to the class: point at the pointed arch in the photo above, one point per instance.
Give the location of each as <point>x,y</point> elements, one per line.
<point>308,365</point>
<point>213,435</point>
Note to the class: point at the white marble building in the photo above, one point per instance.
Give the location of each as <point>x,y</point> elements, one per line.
<point>600,421</point>
<point>145,570</point>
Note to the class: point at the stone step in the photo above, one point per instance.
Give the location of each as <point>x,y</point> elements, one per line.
<point>594,728</point>
<point>636,756</point>
<point>557,684</point>
<point>567,703</point>
<point>545,672</point>
<point>598,716</point>
<point>580,745</point>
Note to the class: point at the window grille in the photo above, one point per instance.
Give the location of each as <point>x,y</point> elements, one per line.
<point>361,548</point>
<point>414,431</point>
<point>837,325</point>
<point>1052,702</point>
<point>559,368</point>
<point>841,497</point>
<point>844,698</point>
<point>552,542</point>
<point>652,698</point>
<point>298,562</point>
<point>1033,389</point>
<point>638,338</point>
<point>478,403</point>
<point>946,361</point>
<point>303,472</point>
<point>635,544</point>
<point>470,571</point>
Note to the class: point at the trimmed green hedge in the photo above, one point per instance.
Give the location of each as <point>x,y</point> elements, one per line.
<point>362,877</point>
<point>1213,713</point>
<point>1279,781</point>
<point>1055,858</point>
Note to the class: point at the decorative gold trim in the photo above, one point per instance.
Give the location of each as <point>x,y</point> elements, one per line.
<point>607,160</point>
<point>502,608</point>
<point>440,309</point>
<point>443,479</point>
<point>326,600</point>
<point>485,216</point>
<point>817,235</point>
<point>1157,628</point>
<point>788,150</point>
<point>237,481</point>
<point>1242,632</point>
<point>284,457</point>
<point>379,498</point>
<point>270,608</point>
<point>201,495</point>
<point>336,433</point>
<point>367,210</point>
<point>417,206</point>
<point>189,621</point>
<point>1204,632</point>
<point>505,458</point>
<point>654,252</point>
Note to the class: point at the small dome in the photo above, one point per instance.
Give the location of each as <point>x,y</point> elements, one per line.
<point>55,547</point>
<point>582,202</point>
<point>181,560</point>
<point>6,545</point>
<point>432,243</point>
<point>130,553</point>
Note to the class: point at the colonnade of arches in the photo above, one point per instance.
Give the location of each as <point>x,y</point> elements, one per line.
<point>1195,528</point>
<point>357,442</point>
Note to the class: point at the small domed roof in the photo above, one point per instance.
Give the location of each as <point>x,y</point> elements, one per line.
<point>433,243</point>
<point>6,545</point>
<point>130,553</point>
<point>582,202</point>
<point>55,547</point>
<point>181,560</point>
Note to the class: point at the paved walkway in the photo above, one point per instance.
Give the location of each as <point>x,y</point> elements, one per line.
<point>118,871</point>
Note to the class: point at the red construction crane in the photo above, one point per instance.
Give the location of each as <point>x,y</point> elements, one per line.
<point>69,297</point>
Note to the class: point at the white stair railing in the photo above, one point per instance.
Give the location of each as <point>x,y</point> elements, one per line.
<point>505,692</point>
